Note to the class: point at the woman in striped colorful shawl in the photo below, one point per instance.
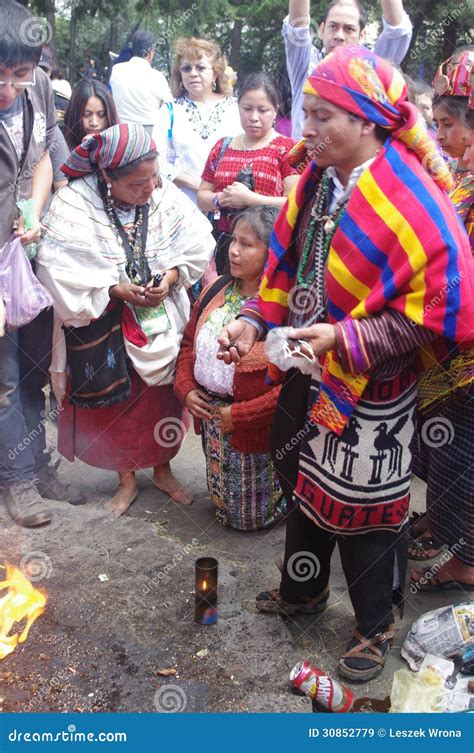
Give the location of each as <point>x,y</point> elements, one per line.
<point>444,453</point>
<point>357,258</point>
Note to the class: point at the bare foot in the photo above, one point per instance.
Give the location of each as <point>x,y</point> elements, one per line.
<point>125,496</point>
<point>164,480</point>
<point>453,570</point>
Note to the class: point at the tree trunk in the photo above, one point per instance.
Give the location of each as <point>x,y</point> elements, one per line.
<point>236,44</point>
<point>72,67</point>
<point>50,36</point>
<point>417,20</point>
<point>113,37</point>
<point>449,38</point>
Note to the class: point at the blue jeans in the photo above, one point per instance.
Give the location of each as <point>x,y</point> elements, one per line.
<point>25,355</point>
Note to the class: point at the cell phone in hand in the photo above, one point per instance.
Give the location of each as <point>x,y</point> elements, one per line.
<point>158,279</point>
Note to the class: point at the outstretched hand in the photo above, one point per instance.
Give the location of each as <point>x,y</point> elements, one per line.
<point>236,340</point>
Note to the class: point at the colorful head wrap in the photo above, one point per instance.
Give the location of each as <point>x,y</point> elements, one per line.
<point>115,147</point>
<point>452,78</point>
<point>355,79</point>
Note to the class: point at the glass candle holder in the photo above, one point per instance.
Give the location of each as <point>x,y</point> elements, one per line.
<point>205,588</point>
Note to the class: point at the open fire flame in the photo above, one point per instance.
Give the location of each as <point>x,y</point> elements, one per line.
<point>21,601</point>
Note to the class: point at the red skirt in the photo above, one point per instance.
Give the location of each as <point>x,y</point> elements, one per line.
<point>141,432</point>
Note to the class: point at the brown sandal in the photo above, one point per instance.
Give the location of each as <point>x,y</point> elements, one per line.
<point>272,603</point>
<point>365,657</point>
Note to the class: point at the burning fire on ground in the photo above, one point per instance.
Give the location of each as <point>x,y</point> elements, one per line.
<point>21,601</point>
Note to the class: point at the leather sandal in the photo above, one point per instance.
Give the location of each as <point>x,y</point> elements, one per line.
<point>272,603</point>
<point>365,657</point>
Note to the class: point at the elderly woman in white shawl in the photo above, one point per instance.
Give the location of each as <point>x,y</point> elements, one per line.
<point>120,247</point>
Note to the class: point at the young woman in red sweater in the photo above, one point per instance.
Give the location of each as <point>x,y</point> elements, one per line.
<point>232,405</point>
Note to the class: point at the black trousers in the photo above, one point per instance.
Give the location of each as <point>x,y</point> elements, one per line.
<point>368,559</point>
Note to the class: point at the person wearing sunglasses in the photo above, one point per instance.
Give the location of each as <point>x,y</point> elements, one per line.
<point>202,112</point>
<point>28,129</point>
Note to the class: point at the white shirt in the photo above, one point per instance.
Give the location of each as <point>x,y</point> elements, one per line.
<point>185,137</point>
<point>340,192</point>
<point>138,91</point>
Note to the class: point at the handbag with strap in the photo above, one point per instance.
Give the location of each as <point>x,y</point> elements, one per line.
<point>96,360</point>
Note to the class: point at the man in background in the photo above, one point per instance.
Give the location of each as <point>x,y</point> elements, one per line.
<point>138,89</point>
<point>344,23</point>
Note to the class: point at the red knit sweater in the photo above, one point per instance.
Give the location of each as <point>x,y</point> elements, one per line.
<point>254,400</point>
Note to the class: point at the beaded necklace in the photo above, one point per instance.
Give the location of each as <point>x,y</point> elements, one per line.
<point>321,229</point>
<point>132,238</point>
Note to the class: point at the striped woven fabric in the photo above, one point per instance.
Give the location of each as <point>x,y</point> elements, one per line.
<point>115,147</point>
<point>399,244</point>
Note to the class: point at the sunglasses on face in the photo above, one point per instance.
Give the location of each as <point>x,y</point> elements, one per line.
<point>200,68</point>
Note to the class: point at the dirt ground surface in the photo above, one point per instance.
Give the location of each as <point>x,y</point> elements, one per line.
<point>120,604</point>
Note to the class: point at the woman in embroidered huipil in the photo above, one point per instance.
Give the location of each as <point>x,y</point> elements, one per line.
<point>121,246</point>
<point>232,405</point>
<point>251,169</point>
<point>203,110</point>
<point>358,254</point>
<point>445,447</point>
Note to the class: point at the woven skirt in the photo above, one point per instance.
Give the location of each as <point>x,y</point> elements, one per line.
<point>243,486</point>
<point>141,432</point>
<point>444,458</point>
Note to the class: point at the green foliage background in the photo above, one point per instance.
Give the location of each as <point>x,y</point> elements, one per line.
<point>248,32</point>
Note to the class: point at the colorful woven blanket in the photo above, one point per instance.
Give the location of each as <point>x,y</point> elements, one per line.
<point>399,244</point>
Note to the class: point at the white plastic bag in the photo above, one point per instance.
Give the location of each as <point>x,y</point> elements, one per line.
<point>443,632</point>
<point>287,353</point>
<point>22,293</point>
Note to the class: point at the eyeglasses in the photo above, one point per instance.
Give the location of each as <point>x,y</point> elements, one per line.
<point>200,68</point>
<point>27,79</point>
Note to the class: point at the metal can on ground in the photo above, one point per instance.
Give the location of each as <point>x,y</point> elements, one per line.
<point>322,688</point>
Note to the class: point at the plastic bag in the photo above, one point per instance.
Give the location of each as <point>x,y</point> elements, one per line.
<point>23,294</point>
<point>433,689</point>
<point>443,632</point>
<point>286,353</point>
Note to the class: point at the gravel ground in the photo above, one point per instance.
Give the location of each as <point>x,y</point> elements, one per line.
<point>102,642</point>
